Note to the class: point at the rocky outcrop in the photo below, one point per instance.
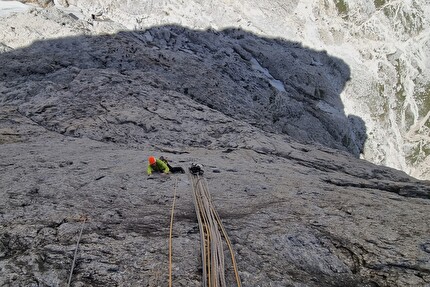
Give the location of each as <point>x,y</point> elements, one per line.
<point>79,116</point>
<point>221,70</point>
<point>384,43</point>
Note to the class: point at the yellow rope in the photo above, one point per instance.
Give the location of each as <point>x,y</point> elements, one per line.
<point>170,234</point>
<point>207,237</point>
<point>210,224</point>
<point>227,239</point>
<point>201,228</point>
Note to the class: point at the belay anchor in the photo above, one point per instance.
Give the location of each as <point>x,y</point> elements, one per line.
<point>196,169</point>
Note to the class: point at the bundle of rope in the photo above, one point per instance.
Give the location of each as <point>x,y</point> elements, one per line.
<point>171,233</point>
<point>210,226</point>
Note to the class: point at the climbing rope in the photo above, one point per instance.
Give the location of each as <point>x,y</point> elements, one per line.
<point>171,232</point>
<point>203,232</point>
<point>84,218</point>
<point>230,247</point>
<point>211,244</point>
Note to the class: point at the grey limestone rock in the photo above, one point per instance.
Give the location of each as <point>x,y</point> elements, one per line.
<point>80,114</point>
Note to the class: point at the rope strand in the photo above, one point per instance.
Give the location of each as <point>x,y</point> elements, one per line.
<point>76,252</point>
<point>171,232</point>
<point>211,233</point>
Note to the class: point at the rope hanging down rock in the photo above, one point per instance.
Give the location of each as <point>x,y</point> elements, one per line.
<point>211,243</point>
<point>171,232</point>
<point>84,219</point>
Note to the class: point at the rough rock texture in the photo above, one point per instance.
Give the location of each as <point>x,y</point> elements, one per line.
<point>385,43</point>
<point>297,215</point>
<point>218,69</point>
<point>80,114</point>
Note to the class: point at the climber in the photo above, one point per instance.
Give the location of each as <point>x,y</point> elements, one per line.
<point>157,166</point>
<point>173,169</point>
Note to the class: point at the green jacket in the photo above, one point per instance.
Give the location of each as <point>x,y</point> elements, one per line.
<point>159,166</point>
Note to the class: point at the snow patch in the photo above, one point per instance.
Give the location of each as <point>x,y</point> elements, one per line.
<point>274,82</point>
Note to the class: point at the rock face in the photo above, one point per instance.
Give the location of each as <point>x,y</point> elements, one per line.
<point>218,69</point>
<point>297,215</point>
<point>84,104</point>
<point>385,44</point>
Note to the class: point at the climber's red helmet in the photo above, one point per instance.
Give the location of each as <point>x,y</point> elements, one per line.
<point>151,160</point>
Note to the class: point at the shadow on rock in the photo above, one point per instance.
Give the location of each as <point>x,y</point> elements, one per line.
<point>163,83</point>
